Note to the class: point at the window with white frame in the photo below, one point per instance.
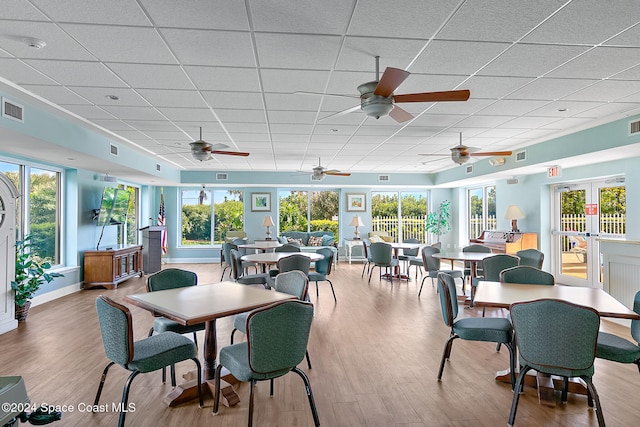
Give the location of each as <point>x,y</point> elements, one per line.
<point>207,215</point>
<point>482,209</point>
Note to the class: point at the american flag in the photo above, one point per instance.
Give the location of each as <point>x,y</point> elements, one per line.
<point>162,222</point>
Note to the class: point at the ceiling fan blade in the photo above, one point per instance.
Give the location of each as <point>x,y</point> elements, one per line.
<point>336,173</point>
<point>435,154</point>
<point>230,153</point>
<point>492,153</point>
<point>391,79</point>
<point>400,115</point>
<point>341,113</point>
<point>325,94</point>
<point>451,95</point>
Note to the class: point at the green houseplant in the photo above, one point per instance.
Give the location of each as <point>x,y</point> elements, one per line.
<point>438,220</point>
<point>30,275</point>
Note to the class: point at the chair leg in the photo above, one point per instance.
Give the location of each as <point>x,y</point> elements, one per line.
<point>252,386</point>
<point>195,338</point>
<point>199,366</point>
<point>232,334</point>
<point>498,346</point>
<point>371,272</point>
<point>312,403</point>
<point>445,354</point>
<point>173,375</point>
<point>565,390</point>
<point>102,379</point>
<point>516,396</point>
<point>216,393</point>
<point>421,285</point>
<point>271,387</point>
<point>317,291</point>
<point>306,354</point>
<point>512,362</point>
<point>332,290</point>
<point>125,397</point>
<point>225,269</point>
<point>592,390</point>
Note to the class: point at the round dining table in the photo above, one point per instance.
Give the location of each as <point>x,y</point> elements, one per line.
<point>262,246</point>
<point>268,258</point>
<point>473,258</point>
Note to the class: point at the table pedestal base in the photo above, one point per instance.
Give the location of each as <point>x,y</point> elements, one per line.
<point>546,385</point>
<point>188,390</point>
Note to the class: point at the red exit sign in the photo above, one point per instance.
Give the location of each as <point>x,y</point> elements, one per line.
<point>591,209</point>
<point>554,171</point>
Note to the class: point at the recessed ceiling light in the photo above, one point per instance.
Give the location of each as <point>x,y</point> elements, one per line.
<point>562,110</point>
<point>334,130</point>
<point>34,43</point>
<point>112,97</point>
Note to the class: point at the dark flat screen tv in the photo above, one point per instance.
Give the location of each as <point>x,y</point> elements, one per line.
<point>113,207</point>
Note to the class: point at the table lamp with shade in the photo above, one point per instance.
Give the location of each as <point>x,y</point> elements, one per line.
<point>268,222</point>
<point>514,213</point>
<point>356,222</point>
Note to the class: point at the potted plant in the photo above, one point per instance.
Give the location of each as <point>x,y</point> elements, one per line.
<point>438,220</point>
<point>30,275</point>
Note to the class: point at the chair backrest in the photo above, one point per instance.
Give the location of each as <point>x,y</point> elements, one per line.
<point>323,266</point>
<point>493,265</point>
<point>546,334</point>
<point>292,282</point>
<point>448,298</point>
<point>428,261</point>
<point>437,245</point>
<point>635,324</point>
<point>236,264</point>
<point>475,248</point>
<point>294,262</point>
<point>234,234</point>
<point>366,244</point>
<point>531,257</point>
<point>277,336</point>
<point>171,278</point>
<point>381,253</point>
<point>288,247</point>
<point>411,252</point>
<point>116,329</point>
<point>238,242</point>
<point>526,275</point>
<point>226,248</point>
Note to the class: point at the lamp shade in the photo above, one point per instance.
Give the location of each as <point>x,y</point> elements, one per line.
<point>356,221</point>
<point>268,221</point>
<point>513,212</point>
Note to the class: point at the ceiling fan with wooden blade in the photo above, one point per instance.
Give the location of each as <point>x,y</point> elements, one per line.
<point>319,172</point>
<point>377,98</point>
<point>461,154</point>
<point>202,150</point>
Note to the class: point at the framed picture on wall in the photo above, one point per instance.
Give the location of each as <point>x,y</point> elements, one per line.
<point>260,202</point>
<point>356,202</point>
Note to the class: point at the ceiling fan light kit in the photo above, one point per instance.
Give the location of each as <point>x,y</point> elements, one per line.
<point>461,154</point>
<point>202,150</point>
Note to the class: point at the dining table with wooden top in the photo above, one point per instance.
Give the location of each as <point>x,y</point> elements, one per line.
<point>205,303</point>
<point>261,245</point>
<point>502,295</point>
<point>473,258</point>
<point>271,258</point>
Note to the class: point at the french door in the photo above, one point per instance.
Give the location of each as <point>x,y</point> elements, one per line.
<point>582,213</point>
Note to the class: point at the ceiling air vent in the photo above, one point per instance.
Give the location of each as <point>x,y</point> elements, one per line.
<point>469,169</point>
<point>634,127</point>
<point>12,111</point>
<point>113,149</point>
<point>521,156</point>
<point>157,167</point>
<point>384,178</point>
<point>222,176</point>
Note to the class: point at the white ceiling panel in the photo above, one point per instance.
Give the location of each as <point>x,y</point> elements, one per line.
<point>516,61</point>
<point>56,94</point>
<point>202,14</point>
<point>202,47</point>
<point>456,57</point>
<point>188,114</point>
<point>173,98</point>
<point>359,53</point>
<point>284,16</point>
<point>509,107</point>
<point>74,73</point>
<point>599,63</point>
<point>133,113</point>
<point>118,12</point>
<point>494,87</point>
<point>292,51</point>
<point>225,99</point>
<point>289,81</point>
<point>606,91</point>
<point>100,96</point>
<point>241,116</point>
<point>550,88</point>
<point>21,73</point>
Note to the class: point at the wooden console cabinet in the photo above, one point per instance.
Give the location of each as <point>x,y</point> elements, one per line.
<point>106,268</point>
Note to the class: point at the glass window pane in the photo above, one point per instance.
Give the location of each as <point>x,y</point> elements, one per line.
<point>384,212</point>
<point>324,211</point>
<point>293,211</point>
<point>613,208</point>
<point>196,217</point>
<point>413,208</point>
<point>43,213</point>
<point>476,209</point>
<point>491,209</point>
<point>12,171</point>
<point>228,213</point>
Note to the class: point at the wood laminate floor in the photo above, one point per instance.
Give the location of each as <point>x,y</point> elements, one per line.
<point>375,356</point>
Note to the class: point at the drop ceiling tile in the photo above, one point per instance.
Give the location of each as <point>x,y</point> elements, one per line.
<point>570,122</point>
<point>203,47</point>
<point>630,37</point>
<point>483,121</point>
<point>417,83</point>
<point>247,127</point>
<point>133,113</point>
<point>237,100</point>
<point>492,21</point>
<point>173,98</point>
<point>530,60</point>
<point>56,94</point>
<point>122,12</point>
<point>373,18</point>
<point>152,125</point>
<point>468,107</point>
<point>225,78</point>
<point>89,112</point>
<point>58,44</point>
<point>188,114</point>
<point>358,53</point>
<point>550,88</point>
<point>456,57</point>
<point>203,14</point>
<point>299,102</point>
<point>20,9</point>
<point>586,22</point>
<point>570,108</point>
<point>494,87</point>
<point>301,16</point>
<point>250,138</point>
<point>292,51</point>
<point>113,125</point>
<point>152,76</point>
<point>500,134</point>
<point>241,116</point>
<point>438,120</point>
<point>509,107</point>
<point>304,117</point>
<point>99,96</point>
<point>606,91</point>
<point>610,109</point>
<point>122,44</point>
<point>528,122</point>
<point>347,82</point>
<point>74,73</point>
<point>297,129</point>
<point>599,63</point>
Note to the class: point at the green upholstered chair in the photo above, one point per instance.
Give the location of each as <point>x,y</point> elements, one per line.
<point>289,263</point>
<point>277,337</point>
<point>382,256</point>
<point>432,265</point>
<point>171,278</point>
<point>366,252</point>
<point>242,252</point>
<point>467,265</point>
<point>617,349</point>
<point>531,257</point>
<point>556,337</point>
<point>147,355</point>
<point>245,279</point>
<point>288,247</point>
<point>322,270</point>
<point>491,268</point>
<point>411,254</point>
<point>489,329</point>
<point>226,251</point>
<point>526,275</point>
<point>294,283</point>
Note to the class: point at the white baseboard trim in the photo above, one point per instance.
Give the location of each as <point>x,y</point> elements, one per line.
<point>8,325</point>
<point>58,293</point>
<point>190,260</point>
